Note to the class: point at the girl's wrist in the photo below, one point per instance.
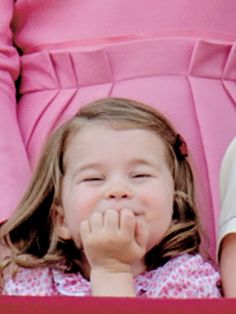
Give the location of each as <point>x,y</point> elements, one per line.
<point>112,282</point>
<point>113,267</point>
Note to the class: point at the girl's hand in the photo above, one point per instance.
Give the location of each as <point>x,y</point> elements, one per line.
<point>113,241</point>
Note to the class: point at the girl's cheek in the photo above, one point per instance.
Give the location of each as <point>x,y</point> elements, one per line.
<point>77,240</point>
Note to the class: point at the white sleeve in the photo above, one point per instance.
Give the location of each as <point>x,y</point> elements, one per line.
<point>227,221</point>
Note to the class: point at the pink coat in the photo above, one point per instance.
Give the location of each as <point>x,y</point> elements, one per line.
<point>178,56</point>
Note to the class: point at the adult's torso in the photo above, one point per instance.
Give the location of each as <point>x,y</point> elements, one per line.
<point>55,22</point>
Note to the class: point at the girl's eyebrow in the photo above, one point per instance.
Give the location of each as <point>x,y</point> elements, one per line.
<point>154,164</point>
<point>91,165</point>
<point>145,162</point>
<point>140,161</point>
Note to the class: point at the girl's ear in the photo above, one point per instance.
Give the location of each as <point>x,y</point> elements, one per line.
<point>60,225</point>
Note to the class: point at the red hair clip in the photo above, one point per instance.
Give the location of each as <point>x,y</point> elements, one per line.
<point>180,147</point>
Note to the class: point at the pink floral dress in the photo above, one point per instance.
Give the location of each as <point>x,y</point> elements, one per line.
<point>183,277</point>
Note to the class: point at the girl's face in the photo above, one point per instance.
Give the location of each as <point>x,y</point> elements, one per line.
<point>117,169</point>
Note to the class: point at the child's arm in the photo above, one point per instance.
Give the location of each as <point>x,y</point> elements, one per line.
<point>227,221</point>
<point>227,265</point>
<point>113,243</point>
<point>107,283</point>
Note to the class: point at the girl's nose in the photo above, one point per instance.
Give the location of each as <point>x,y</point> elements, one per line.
<point>118,191</point>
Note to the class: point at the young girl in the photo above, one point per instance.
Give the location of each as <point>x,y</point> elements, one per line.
<point>110,211</point>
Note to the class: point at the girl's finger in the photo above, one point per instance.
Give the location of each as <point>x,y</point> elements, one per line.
<point>141,234</point>
<point>85,229</point>
<point>127,222</point>
<point>96,221</point>
<point>111,219</point>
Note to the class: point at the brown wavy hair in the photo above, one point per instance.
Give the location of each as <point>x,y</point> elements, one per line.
<point>30,232</point>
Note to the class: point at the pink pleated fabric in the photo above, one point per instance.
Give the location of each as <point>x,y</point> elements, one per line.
<point>178,56</point>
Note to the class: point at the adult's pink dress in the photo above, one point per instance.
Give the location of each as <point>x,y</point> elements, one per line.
<point>179,56</point>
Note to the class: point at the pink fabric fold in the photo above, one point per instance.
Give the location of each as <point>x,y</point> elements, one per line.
<point>14,166</point>
<point>99,65</point>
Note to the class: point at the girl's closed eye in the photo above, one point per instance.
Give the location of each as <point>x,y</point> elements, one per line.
<point>141,175</point>
<point>93,179</point>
